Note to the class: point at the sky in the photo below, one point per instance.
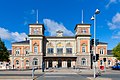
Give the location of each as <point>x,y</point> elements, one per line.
<point>16,15</point>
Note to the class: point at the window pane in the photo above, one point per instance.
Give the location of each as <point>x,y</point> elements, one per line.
<point>83,48</point>
<point>69,50</point>
<point>35,49</point>
<point>50,50</point>
<point>59,50</point>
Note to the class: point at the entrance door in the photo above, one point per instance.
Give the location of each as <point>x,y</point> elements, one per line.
<point>50,63</point>
<point>68,63</point>
<point>59,63</point>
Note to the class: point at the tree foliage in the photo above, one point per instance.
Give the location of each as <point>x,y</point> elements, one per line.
<point>4,54</point>
<point>116,51</point>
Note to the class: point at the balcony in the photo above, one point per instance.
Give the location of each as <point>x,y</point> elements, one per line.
<point>61,55</point>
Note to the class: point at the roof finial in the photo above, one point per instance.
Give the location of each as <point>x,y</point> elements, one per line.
<point>82,16</point>
<point>37,17</point>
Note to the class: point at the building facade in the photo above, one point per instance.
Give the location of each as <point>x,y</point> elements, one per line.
<point>58,51</point>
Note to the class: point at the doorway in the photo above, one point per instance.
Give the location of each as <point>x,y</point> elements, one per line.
<point>68,63</point>
<point>59,63</point>
<point>49,63</point>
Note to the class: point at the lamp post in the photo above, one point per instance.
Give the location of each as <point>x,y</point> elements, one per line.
<point>94,18</point>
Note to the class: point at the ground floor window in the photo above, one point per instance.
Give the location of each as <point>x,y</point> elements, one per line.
<point>109,62</point>
<point>83,62</point>
<point>50,63</point>
<point>35,61</point>
<point>101,62</point>
<point>17,62</point>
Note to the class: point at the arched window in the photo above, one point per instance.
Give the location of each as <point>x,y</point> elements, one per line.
<point>27,62</point>
<point>83,62</point>
<point>109,62</point>
<point>35,61</point>
<point>17,62</point>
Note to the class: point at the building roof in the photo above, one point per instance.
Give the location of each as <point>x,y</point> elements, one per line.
<point>10,51</point>
<point>102,43</point>
<point>109,52</point>
<point>22,42</point>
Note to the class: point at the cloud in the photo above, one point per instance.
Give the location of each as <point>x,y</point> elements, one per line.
<point>115,24</point>
<point>110,2</point>
<point>116,36</point>
<point>4,34</point>
<point>53,26</point>
<point>13,36</point>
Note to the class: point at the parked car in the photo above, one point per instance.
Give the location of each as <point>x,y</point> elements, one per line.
<point>116,67</point>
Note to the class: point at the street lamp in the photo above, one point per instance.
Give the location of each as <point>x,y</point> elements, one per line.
<point>94,18</point>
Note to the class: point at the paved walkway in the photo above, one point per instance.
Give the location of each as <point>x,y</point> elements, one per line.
<point>51,74</point>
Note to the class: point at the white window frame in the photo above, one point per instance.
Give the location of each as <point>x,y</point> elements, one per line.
<point>27,63</point>
<point>51,52</point>
<point>59,48</point>
<point>84,49</point>
<point>84,31</point>
<point>101,51</point>
<point>35,60</point>
<point>36,49</point>
<point>69,51</point>
<point>17,51</point>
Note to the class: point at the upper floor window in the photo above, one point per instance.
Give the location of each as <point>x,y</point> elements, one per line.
<point>50,51</point>
<point>35,31</point>
<point>17,62</point>
<point>17,51</point>
<point>84,31</point>
<point>59,50</point>
<point>69,50</point>
<point>26,52</point>
<point>102,51</point>
<point>83,49</point>
<point>36,49</point>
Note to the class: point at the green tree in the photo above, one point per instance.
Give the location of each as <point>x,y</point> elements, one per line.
<point>116,51</point>
<point>4,54</point>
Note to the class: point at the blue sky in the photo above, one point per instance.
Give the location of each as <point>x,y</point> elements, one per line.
<point>15,15</point>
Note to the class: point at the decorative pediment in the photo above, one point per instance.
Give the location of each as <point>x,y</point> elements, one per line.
<point>59,44</point>
<point>68,44</point>
<point>84,44</point>
<point>50,44</point>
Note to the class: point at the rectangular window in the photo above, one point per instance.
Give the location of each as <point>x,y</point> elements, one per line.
<point>35,49</point>
<point>69,50</point>
<point>101,51</point>
<point>26,52</point>
<point>83,49</point>
<point>59,50</point>
<point>50,51</point>
<point>17,51</point>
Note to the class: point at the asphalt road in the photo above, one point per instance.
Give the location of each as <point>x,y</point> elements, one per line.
<point>61,77</point>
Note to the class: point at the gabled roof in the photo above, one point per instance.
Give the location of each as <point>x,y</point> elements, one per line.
<point>22,42</point>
